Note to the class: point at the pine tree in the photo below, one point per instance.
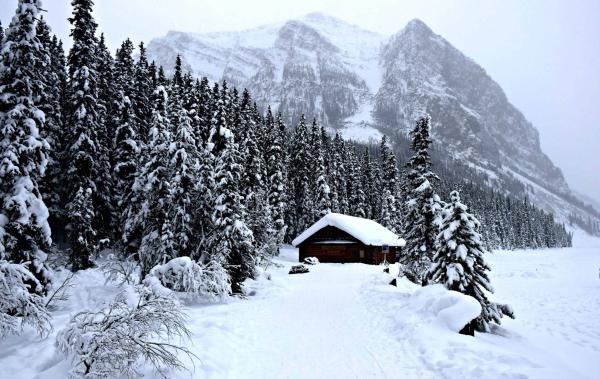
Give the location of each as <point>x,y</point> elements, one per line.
<point>106,217</point>
<point>80,231</point>
<point>254,179</point>
<point>358,198</point>
<point>183,170</point>
<point>178,73</point>
<point>107,90</point>
<point>321,190</point>
<point>337,176</point>
<point>144,86</point>
<point>301,198</point>
<point>389,187</point>
<point>126,142</point>
<point>459,264</point>
<point>51,102</point>
<point>421,206</point>
<point>24,229</point>
<point>368,185</point>
<point>85,154</point>
<point>276,172</point>
<point>232,240</point>
<point>148,229</point>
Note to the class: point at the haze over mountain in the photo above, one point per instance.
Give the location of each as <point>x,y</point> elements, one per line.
<point>365,84</point>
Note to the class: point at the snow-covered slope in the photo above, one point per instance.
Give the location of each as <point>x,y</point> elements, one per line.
<point>365,84</point>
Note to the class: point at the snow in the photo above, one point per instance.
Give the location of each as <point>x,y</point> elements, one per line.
<point>367,231</point>
<point>361,133</point>
<point>345,321</point>
<point>451,309</point>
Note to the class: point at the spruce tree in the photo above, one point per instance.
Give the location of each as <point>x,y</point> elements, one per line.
<point>85,154</point>
<point>459,263</point>
<point>126,144</point>
<point>301,198</point>
<point>183,170</point>
<point>148,230</point>
<point>421,206</point>
<point>254,179</point>
<point>51,102</point>
<point>368,184</point>
<point>232,241</point>
<point>389,187</point>
<point>337,176</point>
<point>24,229</point>
<point>80,232</point>
<point>276,172</point>
<point>358,199</point>
<point>321,190</point>
<point>144,87</point>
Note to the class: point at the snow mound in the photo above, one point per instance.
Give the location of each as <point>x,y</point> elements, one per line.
<point>450,308</point>
<point>366,231</point>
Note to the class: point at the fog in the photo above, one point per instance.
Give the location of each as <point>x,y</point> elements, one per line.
<point>545,54</point>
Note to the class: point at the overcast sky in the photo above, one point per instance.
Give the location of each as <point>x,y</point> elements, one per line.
<point>544,53</point>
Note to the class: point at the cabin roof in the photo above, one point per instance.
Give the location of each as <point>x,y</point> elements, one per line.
<point>366,231</point>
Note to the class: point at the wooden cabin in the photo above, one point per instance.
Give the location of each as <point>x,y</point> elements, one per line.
<point>339,238</point>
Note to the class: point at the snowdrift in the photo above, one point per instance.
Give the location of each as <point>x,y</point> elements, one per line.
<point>450,309</point>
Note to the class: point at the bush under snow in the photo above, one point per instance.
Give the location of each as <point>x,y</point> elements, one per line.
<point>115,340</point>
<point>18,305</point>
<point>185,275</point>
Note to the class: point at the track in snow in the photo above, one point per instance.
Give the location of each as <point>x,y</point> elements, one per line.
<point>317,326</point>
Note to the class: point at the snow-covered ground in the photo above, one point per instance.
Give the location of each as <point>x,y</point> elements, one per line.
<point>345,321</point>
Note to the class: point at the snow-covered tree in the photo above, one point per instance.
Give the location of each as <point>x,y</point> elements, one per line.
<point>389,187</point>
<point>422,205</point>
<point>276,172</point>
<point>300,199</point>
<point>183,171</point>
<point>82,235</point>
<point>459,264</point>
<point>144,87</point>
<point>254,179</point>
<point>337,176</point>
<point>86,155</point>
<point>232,241</point>
<point>20,301</point>
<point>50,101</point>
<point>358,198</point>
<point>24,229</point>
<point>321,189</point>
<point>126,142</point>
<point>368,184</point>
<point>147,230</point>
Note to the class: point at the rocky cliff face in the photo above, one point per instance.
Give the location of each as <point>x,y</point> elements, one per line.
<point>365,84</point>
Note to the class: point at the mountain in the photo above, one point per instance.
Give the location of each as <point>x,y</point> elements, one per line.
<point>365,84</point>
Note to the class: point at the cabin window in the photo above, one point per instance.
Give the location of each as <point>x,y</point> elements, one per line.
<point>361,254</point>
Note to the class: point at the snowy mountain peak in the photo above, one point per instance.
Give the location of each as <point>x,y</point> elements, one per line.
<point>297,34</point>
<point>417,25</point>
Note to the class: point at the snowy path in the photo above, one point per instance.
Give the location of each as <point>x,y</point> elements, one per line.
<point>318,327</point>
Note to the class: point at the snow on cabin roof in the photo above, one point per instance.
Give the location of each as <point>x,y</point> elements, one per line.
<point>366,231</point>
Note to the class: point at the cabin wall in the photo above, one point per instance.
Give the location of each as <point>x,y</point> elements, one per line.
<point>345,253</point>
